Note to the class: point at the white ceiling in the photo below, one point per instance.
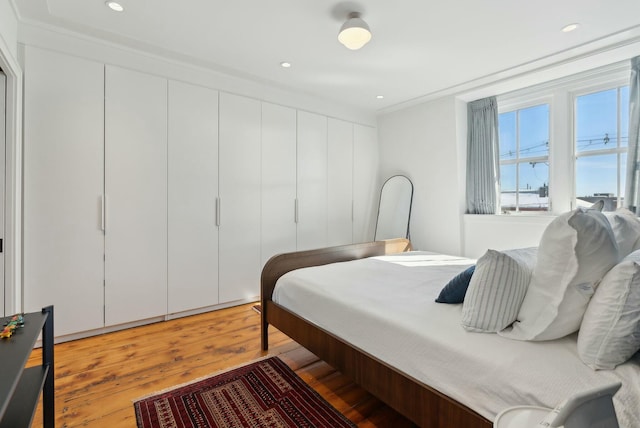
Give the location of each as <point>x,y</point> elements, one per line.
<point>419,47</point>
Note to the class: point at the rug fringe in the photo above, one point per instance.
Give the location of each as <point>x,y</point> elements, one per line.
<point>221,371</point>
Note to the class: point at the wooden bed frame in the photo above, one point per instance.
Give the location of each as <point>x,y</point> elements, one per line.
<point>417,401</point>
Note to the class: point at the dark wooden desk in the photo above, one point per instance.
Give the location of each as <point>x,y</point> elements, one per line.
<point>20,387</point>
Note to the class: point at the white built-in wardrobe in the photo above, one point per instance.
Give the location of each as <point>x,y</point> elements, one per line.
<point>146,197</point>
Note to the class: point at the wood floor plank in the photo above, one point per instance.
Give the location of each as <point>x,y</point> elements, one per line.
<point>98,378</point>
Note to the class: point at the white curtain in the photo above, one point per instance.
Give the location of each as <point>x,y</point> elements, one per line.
<point>483,163</point>
<point>632,191</point>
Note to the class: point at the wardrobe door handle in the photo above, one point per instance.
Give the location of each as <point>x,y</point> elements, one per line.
<point>218,212</point>
<point>103,222</point>
<point>295,210</point>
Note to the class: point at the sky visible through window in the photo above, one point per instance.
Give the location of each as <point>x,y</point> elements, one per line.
<point>597,116</point>
<point>524,151</point>
<point>601,136</point>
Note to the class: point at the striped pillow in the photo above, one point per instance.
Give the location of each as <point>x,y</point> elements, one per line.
<point>610,331</point>
<point>497,289</point>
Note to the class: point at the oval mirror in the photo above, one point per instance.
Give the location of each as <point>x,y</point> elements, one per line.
<point>394,210</point>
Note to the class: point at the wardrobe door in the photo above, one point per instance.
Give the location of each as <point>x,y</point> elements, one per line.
<point>239,272</point>
<point>366,183</point>
<point>312,181</point>
<point>136,196</point>
<point>193,189</point>
<point>340,182</point>
<point>3,103</point>
<point>63,185</point>
<point>278,180</point>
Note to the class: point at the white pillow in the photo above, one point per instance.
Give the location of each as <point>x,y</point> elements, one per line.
<point>576,250</point>
<point>610,331</point>
<point>626,229</point>
<point>497,289</point>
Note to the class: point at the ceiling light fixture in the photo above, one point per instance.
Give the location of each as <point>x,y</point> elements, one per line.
<point>354,33</point>
<point>114,5</point>
<point>569,28</point>
<point>379,97</point>
<point>285,64</point>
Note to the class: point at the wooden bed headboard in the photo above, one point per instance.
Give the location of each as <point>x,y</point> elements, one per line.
<point>280,264</point>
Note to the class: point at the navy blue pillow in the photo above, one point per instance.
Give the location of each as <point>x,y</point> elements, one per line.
<point>455,289</point>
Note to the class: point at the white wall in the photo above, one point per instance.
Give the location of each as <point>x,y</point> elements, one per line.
<point>8,30</point>
<point>483,232</point>
<point>428,144</point>
<point>421,142</point>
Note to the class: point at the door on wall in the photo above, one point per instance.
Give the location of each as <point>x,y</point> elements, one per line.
<point>3,116</point>
<point>239,200</point>
<point>339,182</point>
<point>136,196</point>
<point>278,191</point>
<point>63,184</point>
<point>312,173</point>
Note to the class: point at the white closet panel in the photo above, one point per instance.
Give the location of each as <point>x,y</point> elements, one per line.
<point>136,196</point>
<point>63,185</point>
<point>366,182</point>
<point>193,189</point>
<point>239,175</point>
<point>312,181</point>
<point>278,180</point>
<point>3,103</point>
<point>340,182</point>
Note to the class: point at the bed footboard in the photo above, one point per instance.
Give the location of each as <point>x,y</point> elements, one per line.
<point>417,401</point>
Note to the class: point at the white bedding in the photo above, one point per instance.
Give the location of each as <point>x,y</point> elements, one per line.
<point>385,306</point>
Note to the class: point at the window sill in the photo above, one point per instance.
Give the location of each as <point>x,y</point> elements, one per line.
<point>521,217</point>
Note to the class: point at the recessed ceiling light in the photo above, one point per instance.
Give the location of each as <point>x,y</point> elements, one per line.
<point>285,64</point>
<point>379,97</point>
<point>114,5</point>
<point>569,28</point>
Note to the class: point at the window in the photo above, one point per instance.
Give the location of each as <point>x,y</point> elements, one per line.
<point>601,135</point>
<point>564,143</point>
<point>524,159</point>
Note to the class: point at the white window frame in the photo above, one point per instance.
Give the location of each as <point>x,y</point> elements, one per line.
<point>560,95</point>
<point>614,84</point>
<point>521,104</point>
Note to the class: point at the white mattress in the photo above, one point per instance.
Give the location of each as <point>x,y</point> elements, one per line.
<point>385,306</point>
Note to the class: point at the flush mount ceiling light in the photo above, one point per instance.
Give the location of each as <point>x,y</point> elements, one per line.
<point>354,33</point>
<point>285,64</point>
<point>114,5</point>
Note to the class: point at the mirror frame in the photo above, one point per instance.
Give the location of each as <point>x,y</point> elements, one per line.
<point>407,234</point>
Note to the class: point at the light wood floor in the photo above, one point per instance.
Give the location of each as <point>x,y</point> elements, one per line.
<point>98,378</point>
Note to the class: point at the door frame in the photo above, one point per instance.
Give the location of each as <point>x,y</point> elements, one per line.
<point>13,184</point>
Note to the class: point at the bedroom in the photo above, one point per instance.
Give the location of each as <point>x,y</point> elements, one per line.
<point>402,129</point>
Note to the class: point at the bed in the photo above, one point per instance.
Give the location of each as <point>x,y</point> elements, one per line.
<point>383,340</point>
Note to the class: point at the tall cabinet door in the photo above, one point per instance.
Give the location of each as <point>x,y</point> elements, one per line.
<point>340,182</point>
<point>3,85</point>
<point>63,185</point>
<point>278,180</point>
<point>239,256</point>
<point>193,190</point>
<point>366,182</point>
<point>136,196</point>
<point>312,181</point>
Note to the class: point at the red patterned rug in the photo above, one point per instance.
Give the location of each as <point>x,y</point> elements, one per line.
<point>266,393</point>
